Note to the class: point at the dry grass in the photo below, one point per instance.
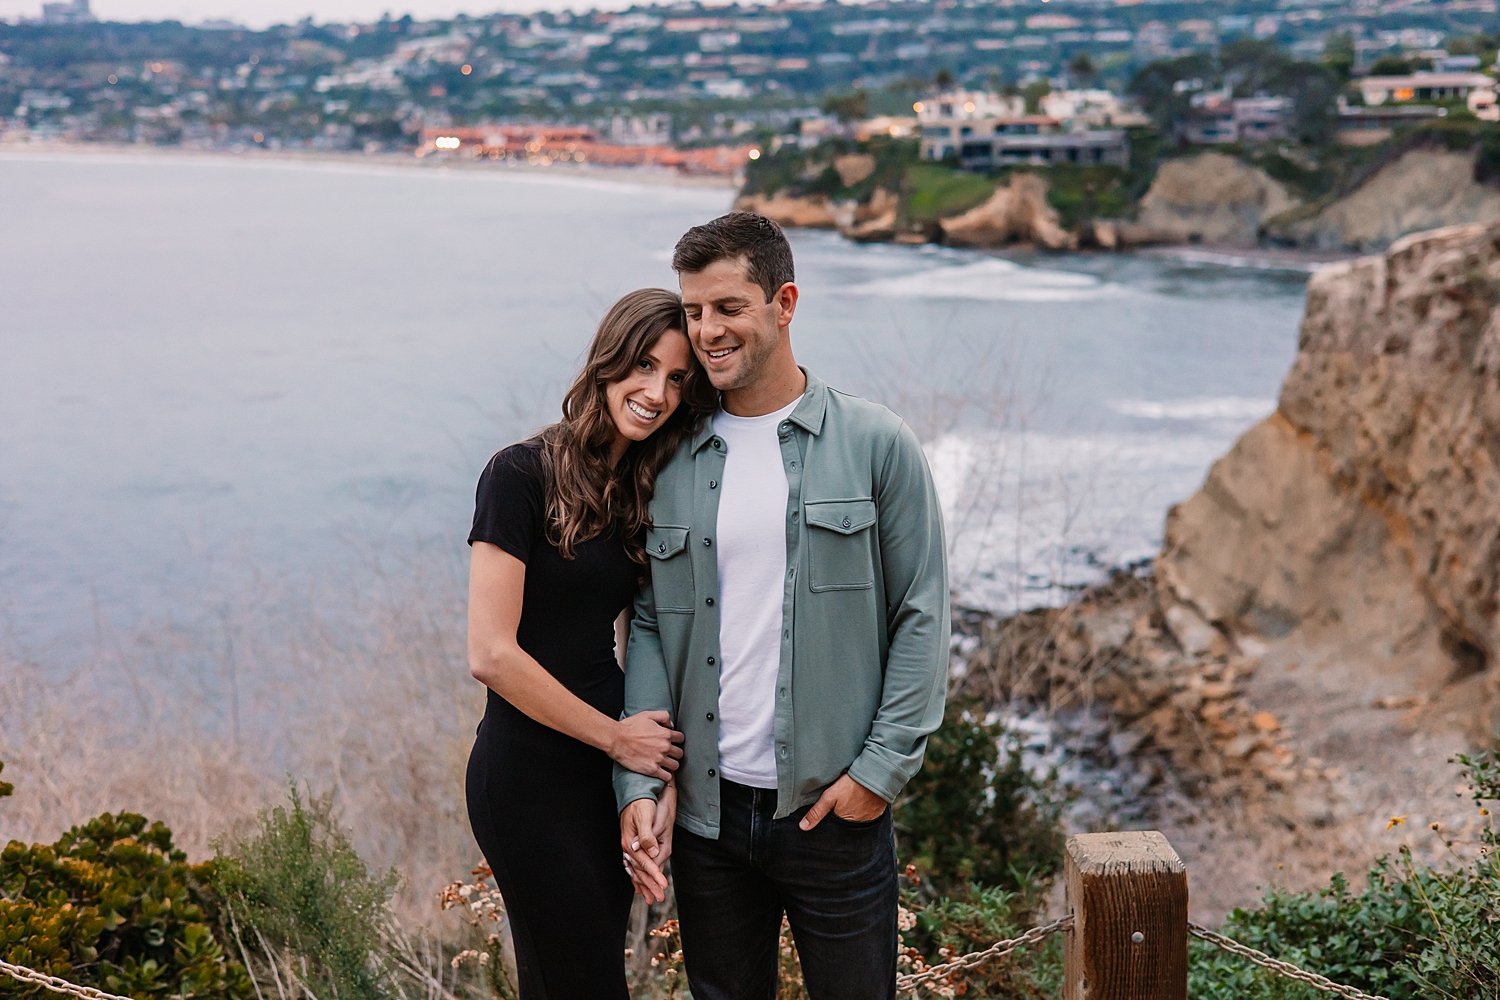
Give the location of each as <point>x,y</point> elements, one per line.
<point>371,702</point>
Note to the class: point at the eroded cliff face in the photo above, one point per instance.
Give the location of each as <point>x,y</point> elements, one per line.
<point>1424,189</point>
<point>1363,517</point>
<point>1209,198</point>
<point>1015,213</point>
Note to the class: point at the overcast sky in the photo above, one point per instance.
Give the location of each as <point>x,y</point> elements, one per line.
<point>260,13</point>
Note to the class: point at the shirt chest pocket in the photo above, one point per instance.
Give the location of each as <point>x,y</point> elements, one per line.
<point>839,544</point>
<point>671,568</point>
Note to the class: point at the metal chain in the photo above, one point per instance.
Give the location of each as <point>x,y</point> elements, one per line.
<point>1276,965</point>
<point>54,984</point>
<point>909,982</point>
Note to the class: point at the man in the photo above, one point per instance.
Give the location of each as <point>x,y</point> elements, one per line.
<point>795,623</point>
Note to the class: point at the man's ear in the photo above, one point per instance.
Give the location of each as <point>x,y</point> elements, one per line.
<point>785,301</point>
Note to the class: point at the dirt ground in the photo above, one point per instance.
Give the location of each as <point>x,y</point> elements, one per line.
<point>1384,755</point>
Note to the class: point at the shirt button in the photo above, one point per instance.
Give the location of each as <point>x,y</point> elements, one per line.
<point>783,751</point>
<point>712,661</point>
<point>795,515</point>
<point>794,465</point>
<point>787,634</point>
<point>846,522</point>
<point>710,716</point>
<point>708,541</point>
<point>661,547</point>
<point>791,574</point>
<point>713,484</point>
<point>712,773</point>
<point>717,443</point>
<point>709,601</point>
<point>785,427</point>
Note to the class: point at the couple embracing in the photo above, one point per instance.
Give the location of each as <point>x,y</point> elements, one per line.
<point>781,546</point>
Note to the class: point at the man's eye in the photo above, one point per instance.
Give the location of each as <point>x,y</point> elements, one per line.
<point>730,310</point>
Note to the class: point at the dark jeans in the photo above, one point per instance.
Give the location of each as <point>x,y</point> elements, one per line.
<point>836,884</point>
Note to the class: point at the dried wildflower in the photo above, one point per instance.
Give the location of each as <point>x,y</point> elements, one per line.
<point>1395,821</point>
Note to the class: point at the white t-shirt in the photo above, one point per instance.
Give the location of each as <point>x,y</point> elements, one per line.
<point>750,545</point>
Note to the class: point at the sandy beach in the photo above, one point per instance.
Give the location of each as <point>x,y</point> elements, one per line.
<point>654,177</point>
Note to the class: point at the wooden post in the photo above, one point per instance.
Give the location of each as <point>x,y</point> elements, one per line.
<point>1128,893</point>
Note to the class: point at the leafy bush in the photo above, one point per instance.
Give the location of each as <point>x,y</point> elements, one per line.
<point>974,813</point>
<point>113,905</point>
<point>308,896</point>
<point>1487,157</point>
<point>1082,193</point>
<point>1414,931</point>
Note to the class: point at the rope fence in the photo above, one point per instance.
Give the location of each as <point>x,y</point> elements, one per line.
<point>1127,939</point>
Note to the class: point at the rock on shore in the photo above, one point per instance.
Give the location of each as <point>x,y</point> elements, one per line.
<point>1423,189</point>
<point>1209,198</point>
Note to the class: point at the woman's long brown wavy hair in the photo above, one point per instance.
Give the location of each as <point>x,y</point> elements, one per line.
<point>585,495</point>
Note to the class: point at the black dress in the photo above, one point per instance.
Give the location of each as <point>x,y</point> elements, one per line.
<point>541,802</point>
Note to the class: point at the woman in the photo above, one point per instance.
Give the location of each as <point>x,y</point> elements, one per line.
<point>556,558</point>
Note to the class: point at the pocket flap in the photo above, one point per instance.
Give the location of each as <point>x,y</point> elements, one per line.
<point>844,516</point>
<point>665,540</point>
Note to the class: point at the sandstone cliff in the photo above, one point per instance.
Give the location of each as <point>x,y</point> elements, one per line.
<point>1016,213</point>
<point>1209,198</point>
<point>1423,189</point>
<point>1363,517</point>
<point>1319,635</point>
<point>811,212</point>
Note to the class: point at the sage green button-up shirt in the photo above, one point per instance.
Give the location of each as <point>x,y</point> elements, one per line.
<point>865,615</point>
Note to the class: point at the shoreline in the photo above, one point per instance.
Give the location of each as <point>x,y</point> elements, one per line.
<point>644,177</point>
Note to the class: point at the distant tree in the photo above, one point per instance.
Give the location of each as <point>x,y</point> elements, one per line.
<point>850,107</point>
<point>1033,93</point>
<point>1082,69</point>
<point>1390,66</point>
<point>943,79</point>
<point>1154,87</point>
<point>1338,55</point>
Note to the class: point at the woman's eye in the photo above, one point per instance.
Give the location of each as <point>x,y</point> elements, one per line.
<point>644,365</point>
<point>678,377</point>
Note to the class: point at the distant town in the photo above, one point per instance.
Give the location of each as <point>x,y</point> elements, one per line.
<point>980,84</point>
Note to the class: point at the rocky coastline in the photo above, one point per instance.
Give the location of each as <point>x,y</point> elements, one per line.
<point>1206,199</point>
<point>1319,633</point>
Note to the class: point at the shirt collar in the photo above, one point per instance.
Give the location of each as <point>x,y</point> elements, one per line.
<point>808,415</point>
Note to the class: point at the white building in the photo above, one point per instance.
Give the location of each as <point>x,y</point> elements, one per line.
<point>1422,87</point>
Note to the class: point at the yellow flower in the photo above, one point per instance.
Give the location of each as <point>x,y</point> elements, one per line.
<point>1395,822</point>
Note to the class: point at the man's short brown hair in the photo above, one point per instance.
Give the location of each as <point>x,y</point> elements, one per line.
<point>746,236</point>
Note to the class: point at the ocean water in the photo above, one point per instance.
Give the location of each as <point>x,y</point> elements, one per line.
<point>230,382</point>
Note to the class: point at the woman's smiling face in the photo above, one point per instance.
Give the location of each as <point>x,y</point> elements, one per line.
<point>641,402</point>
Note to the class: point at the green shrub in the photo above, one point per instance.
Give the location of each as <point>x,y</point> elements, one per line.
<point>305,891</point>
<point>113,905</point>
<point>1414,931</point>
<point>1487,157</point>
<point>972,919</point>
<point>1082,193</point>
<point>974,813</point>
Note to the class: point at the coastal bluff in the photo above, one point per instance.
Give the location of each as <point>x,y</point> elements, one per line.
<point>1362,518</point>
<point>1205,197</point>
<point>1318,636</point>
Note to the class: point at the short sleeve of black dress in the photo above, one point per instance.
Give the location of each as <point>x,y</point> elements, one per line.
<point>509,505</point>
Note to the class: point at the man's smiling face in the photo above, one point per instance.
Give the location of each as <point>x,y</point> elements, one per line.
<point>733,329</point>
